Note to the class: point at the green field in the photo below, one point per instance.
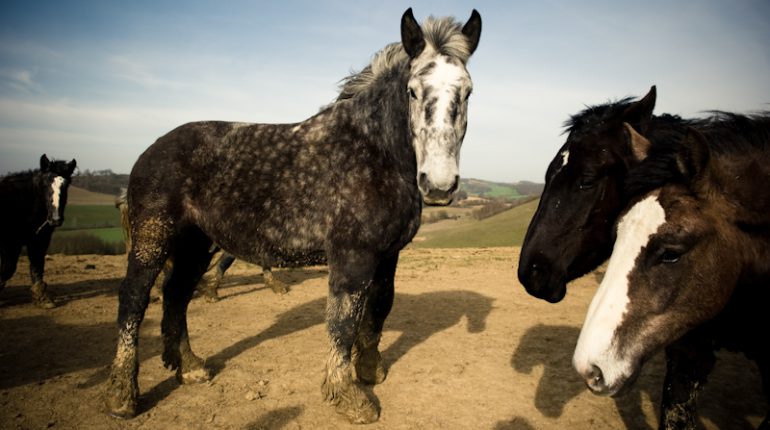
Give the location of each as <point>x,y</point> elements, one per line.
<point>110,234</point>
<point>504,229</point>
<point>503,191</point>
<point>82,217</point>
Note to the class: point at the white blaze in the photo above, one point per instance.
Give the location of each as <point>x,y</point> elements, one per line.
<point>596,345</point>
<point>437,140</point>
<point>56,195</point>
<point>564,158</point>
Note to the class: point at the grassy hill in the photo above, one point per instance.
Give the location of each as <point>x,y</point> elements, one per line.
<point>77,196</point>
<point>504,229</point>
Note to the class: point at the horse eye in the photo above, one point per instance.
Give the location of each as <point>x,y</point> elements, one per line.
<point>670,256</point>
<point>587,182</point>
<point>412,94</point>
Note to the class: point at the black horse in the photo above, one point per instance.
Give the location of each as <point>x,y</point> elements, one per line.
<point>583,193</point>
<point>349,182</point>
<point>32,205</point>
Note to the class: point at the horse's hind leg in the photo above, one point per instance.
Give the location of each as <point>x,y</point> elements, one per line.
<point>366,355</point>
<point>9,258</point>
<point>350,282</point>
<point>143,267</point>
<point>191,259</point>
<point>276,285</point>
<point>210,289</point>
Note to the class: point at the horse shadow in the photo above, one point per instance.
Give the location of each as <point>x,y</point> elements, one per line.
<point>407,318</point>
<point>36,348</point>
<point>553,346</point>
<point>276,419</point>
<point>63,293</point>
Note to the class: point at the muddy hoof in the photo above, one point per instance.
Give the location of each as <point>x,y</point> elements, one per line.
<point>195,376</point>
<point>278,287</point>
<point>361,413</point>
<point>119,404</point>
<point>351,401</point>
<point>45,303</point>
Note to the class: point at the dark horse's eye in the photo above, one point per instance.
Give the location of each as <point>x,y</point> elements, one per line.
<point>587,182</point>
<point>670,256</point>
<point>412,94</point>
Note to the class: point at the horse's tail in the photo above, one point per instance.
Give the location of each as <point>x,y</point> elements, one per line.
<point>121,202</point>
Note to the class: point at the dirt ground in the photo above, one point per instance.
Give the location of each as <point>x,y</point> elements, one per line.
<point>466,348</point>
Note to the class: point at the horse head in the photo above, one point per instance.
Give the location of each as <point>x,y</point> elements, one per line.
<point>55,177</point>
<point>439,86</point>
<point>681,249</point>
<point>571,231</point>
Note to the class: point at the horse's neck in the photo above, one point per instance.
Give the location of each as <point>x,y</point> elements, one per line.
<point>381,115</point>
<point>25,196</point>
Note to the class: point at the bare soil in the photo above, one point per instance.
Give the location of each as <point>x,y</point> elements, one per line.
<point>466,348</point>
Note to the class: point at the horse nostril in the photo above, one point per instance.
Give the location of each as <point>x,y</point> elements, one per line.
<point>422,182</point>
<point>455,185</point>
<point>595,379</point>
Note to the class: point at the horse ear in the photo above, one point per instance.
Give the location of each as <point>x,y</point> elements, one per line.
<point>44,163</point>
<point>693,157</point>
<point>639,144</point>
<point>71,167</point>
<point>472,30</point>
<point>411,35</point>
<point>639,113</point>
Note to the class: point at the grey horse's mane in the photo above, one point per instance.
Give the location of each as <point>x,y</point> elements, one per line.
<point>444,35</point>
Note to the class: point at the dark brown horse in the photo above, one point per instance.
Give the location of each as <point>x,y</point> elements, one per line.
<point>348,182</point>
<point>690,269</point>
<point>32,205</point>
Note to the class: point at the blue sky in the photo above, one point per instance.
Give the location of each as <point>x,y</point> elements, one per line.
<point>99,81</point>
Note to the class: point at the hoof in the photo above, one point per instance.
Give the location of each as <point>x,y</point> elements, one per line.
<point>211,298</point>
<point>194,376</point>
<point>278,287</point>
<point>120,404</point>
<point>41,296</point>
<point>45,303</point>
<point>360,415</point>
<point>124,413</point>
<point>352,402</point>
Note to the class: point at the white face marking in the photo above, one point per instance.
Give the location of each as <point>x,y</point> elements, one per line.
<point>437,140</point>
<point>564,158</point>
<point>56,196</point>
<point>596,345</point>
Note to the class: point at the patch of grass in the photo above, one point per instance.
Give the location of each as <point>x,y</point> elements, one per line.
<point>110,234</point>
<point>504,229</point>
<point>503,191</point>
<point>79,217</point>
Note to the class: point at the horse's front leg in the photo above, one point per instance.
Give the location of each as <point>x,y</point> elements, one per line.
<point>688,363</point>
<point>36,251</point>
<point>350,284</point>
<point>122,389</point>
<point>366,355</point>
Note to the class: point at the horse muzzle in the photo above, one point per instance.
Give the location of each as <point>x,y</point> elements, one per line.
<point>440,194</point>
<point>541,280</point>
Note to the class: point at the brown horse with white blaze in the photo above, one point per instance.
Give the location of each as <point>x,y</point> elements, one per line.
<point>690,267</point>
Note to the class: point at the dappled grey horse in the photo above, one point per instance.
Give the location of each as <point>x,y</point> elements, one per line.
<point>348,182</point>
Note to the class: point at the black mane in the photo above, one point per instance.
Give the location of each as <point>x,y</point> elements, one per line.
<point>725,133</point>
<point>596,114</point>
